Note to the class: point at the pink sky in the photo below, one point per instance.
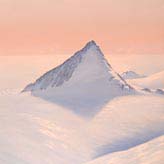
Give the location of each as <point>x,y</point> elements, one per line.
<point>64,26</point>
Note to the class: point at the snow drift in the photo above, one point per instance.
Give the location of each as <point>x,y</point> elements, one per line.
<point>150,153</point>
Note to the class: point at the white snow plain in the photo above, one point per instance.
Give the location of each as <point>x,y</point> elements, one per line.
<point>35,131</point>
<point>126,129</point>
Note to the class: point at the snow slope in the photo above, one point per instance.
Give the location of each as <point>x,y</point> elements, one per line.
<point>148,153</point>
<point>33,130</point>
<point>131,75</point>
<point>126,122</point>
<point>154,81</point>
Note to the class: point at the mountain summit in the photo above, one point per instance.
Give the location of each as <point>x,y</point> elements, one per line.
<point>85,78</point>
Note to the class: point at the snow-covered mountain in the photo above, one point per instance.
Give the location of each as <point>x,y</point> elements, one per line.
<point>87,66</point>
<point>86,80</point>
<point>131,75</point>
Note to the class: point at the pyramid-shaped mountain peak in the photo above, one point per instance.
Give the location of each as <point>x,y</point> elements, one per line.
<point>86,71</point>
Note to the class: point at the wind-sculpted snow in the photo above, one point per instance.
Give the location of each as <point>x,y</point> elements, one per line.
<point>35,131</point>
<point>126,122</point>
<point>148,153</point>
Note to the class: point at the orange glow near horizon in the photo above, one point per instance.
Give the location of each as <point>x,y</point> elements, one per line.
<point>64,26</point>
